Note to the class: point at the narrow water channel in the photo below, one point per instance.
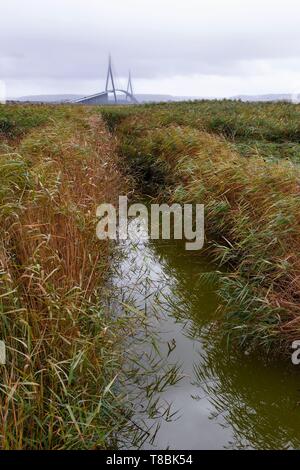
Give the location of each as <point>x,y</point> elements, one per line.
<point>224,399</point>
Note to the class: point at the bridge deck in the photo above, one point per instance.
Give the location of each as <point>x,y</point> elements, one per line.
<point>103,97</point>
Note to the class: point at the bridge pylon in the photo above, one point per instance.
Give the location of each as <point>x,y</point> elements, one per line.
<point>111,77</point>
<point>129,86</point>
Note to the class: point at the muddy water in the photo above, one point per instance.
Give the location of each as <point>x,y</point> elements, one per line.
<point>215,399</point>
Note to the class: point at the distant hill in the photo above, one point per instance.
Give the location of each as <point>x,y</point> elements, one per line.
<point>157,98</point>
<point>271,97</point>
<point>152,98</point>
<point>48,98</point>
<point>142,98</point>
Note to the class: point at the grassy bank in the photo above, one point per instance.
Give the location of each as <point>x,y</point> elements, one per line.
<point>16,121</point>
<point>57,165</point>
<point>192,152</point>
<point>271,130</point>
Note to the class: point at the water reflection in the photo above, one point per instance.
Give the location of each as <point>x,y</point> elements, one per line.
<point>215,398</point>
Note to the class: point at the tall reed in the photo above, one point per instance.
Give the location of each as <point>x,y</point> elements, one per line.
<point>252,206</point>
<point>63,348</point>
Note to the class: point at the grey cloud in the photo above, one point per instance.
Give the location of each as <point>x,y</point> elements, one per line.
<point>156,39</point>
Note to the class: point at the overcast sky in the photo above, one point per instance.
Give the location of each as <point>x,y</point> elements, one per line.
<point>179,47</point>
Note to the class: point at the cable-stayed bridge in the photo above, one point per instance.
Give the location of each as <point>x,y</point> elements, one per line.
<point>111,94</point>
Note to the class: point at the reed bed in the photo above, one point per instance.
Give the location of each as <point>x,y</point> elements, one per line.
<point>63,346</point>
<point>16,121</point>
<point>252,204</point>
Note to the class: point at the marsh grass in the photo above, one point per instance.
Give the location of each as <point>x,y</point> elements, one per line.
<point>16,121</point>
<point>63,345</point>
<point>252,204</point>
<point>234,120</point>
